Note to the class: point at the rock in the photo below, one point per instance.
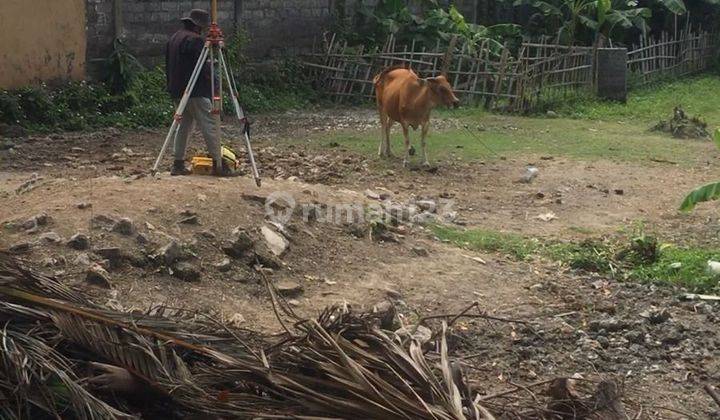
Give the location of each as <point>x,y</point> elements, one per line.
<point>531,173</point>
<point>656,316</point>
<point>393,294</point>
<point>79,242</point>
<point>136,259</point>
<point>603,341</point>
<point>636,337</point>
<point>289,289</point>
<point>172,253</point>
<point>293,302</point>
<point>372,195</point>
<point>124,226</point>
<point>420,251</point>
<point>99,277</point>
<point>429,206</point>
<point>113,254</point>
<point>100,221</point>
<point>419,333</point>
<point>34,222</point>
<point>142,239</point>
<point>190,220</point>
<point>224,266</point>
<point>424,218</point>
<point>83,205</point>
<point>236,320</point>
<point>610,325</point>
<point>619,191</point>
<point>239,246</point>
<point>20,247</point>
<point>276,242</point>
<point>206,234</point>
<point>186,271</point>
<point>551,114</point>
<point>53,262</point>
<point>51,237</point>
<point>82,259</point>
<point>266,259</point>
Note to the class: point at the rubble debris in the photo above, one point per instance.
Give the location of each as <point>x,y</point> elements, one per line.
<point>186,271</point>
<point>99,277</point>
<point>20,247</point>
<point>100,221</point>
<point>124,226</point>
<point>171,253</point>
<point>79,242</point>
<point>51,237</point>
<point>683,126</point>
<point>289,289</point>
<point>224,266</point>
<point>277,243</point>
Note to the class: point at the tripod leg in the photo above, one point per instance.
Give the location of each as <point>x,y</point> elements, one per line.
<point>181,106</point>
<point>241,116</point>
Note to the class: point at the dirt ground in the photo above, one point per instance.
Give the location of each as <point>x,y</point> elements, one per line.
<point>662,348</point>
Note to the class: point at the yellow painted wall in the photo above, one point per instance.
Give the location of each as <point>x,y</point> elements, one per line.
<point>41,40</point>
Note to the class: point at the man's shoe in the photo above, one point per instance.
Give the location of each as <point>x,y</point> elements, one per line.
<point>179,169</point>
<point>222,170</point>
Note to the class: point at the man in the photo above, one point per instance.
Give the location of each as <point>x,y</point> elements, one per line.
<point>182,53</point>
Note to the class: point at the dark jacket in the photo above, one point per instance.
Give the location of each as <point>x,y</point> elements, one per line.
<point>181,55</point>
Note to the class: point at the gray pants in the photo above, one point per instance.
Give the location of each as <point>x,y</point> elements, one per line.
<point>198,110</point>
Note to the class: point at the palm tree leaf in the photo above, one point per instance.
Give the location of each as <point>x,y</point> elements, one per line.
<point>699,195</point>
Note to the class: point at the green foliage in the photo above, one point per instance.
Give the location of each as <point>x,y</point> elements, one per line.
<point>699,195</point>
<point>121,68</point>
<point>709,192</point>
<point>579,21</point>
<point>641,258</point>
<point>653,102</point>
<point>371,25</point>
<point>131,97</point>
<point>515,245</point>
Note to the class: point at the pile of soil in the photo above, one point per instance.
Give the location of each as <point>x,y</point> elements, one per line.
<point>682,126</point>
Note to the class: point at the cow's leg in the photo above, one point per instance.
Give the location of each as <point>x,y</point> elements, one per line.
<point>386,122</point>
<point>389,125</point>
<point>423,135</point>
<point>383,126</point>
<point>406,135</point>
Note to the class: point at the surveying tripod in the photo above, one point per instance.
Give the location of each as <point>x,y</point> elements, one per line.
<point>213,49</point>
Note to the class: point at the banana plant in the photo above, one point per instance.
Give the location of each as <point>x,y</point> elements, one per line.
<point>705,193</point>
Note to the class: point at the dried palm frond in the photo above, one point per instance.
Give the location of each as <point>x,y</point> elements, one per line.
<point>342,365</point>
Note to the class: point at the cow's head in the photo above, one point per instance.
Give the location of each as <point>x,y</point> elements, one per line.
<point>443,91</point>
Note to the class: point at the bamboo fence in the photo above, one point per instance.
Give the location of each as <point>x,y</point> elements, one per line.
<point>671,56</point>
<point>540,72</point>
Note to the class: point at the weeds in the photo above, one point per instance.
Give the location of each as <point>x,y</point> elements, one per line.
<point>640,258</point>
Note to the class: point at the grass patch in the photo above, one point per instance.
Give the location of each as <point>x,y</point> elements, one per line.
<point>640,258</point>
<point>511,244</point>
<point>490,136</point>
<point>655,102</point>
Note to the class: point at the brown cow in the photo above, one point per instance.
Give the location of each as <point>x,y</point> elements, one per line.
<point>404,97</point>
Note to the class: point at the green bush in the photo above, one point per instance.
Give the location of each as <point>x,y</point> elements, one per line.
<point>10,111</point>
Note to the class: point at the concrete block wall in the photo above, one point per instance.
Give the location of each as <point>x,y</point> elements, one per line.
<point>275,27</point>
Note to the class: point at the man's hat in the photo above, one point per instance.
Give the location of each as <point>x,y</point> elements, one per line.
<point>199,17</point>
